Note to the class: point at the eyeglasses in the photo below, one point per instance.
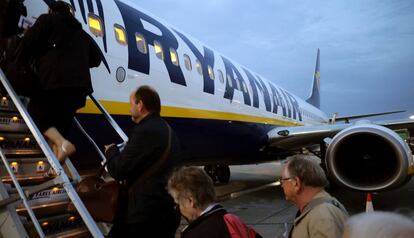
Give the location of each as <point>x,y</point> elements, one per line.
<point>281,180</point>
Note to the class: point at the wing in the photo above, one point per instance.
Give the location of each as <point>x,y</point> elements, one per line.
<point>293,138</point>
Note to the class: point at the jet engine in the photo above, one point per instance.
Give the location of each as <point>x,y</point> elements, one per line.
<point>368,157</point>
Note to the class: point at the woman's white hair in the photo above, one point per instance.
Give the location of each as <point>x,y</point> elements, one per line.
<point>379,225</point>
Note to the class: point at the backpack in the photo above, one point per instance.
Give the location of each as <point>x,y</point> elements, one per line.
<point>238,229</point>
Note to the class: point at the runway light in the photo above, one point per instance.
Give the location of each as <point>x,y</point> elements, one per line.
<point>412,117</point>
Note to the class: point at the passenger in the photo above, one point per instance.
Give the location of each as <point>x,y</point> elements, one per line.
<point>193,192</point>
<point>320,214</point>
<point>150,209</point>
<point>10,13</point>
<point>63,54</point>
<point>378,225</point>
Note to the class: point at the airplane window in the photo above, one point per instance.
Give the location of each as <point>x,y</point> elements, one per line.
<point>244,87</point>
<point>237,84</point>
<point>198,66</point>
<point>229,79</point>
<point>220,74</point>
<point>174,57</point>
<point>210,72</point>
<point>187,62</point>
<point>120,34</point>
<point>95,25</point>
<point>158,50</point>
<point>141,43</point>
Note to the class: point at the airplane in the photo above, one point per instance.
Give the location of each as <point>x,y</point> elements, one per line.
<point>223,113</point>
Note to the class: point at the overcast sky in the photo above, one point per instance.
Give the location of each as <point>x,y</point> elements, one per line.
<point>367,46</point>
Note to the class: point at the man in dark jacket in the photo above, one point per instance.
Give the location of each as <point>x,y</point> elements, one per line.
<point>63,53</point>
<point>151,211</point>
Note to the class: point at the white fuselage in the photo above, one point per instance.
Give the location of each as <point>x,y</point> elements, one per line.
<point>241,96</point>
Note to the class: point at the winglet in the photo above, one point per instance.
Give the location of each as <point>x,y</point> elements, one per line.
<point>314,98</point>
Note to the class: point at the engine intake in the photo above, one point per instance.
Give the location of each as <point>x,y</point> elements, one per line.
<point>368,157</point>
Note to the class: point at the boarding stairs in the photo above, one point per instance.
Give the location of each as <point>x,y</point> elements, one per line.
<point>31,203</point>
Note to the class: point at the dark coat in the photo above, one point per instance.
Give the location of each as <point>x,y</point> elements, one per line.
<point>62,51</point>
<point>147,142</point>
<point>10,12</point>
<point>208,225</point>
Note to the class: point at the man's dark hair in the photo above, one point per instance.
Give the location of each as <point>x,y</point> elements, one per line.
<point>60,7</point>
<point>307,170</point>
<point>150,98</point>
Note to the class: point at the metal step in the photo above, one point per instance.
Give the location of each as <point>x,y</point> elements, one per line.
<point>65,225</point>
<point>18,144</point>
<point>26,180</point>
<point>45,210</point>
<point>7,105</point>
<point>81,232</point>
<point>12,122</point>
<point>27,197</point>
<point>34,167</point>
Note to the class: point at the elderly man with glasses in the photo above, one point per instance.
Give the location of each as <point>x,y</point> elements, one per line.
<point>319,214</point>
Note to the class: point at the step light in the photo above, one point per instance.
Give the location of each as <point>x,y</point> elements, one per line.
<point>40,167</point>
<point>14,167</point>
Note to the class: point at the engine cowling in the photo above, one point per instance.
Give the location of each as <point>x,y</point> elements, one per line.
<point>367,157</point>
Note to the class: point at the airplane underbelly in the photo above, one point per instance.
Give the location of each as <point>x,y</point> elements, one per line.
<point>203,141</point>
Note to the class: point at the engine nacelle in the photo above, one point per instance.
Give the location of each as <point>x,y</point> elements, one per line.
<point>368,157</point>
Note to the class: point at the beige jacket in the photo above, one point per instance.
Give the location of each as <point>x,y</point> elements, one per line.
<point>324,216</point>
